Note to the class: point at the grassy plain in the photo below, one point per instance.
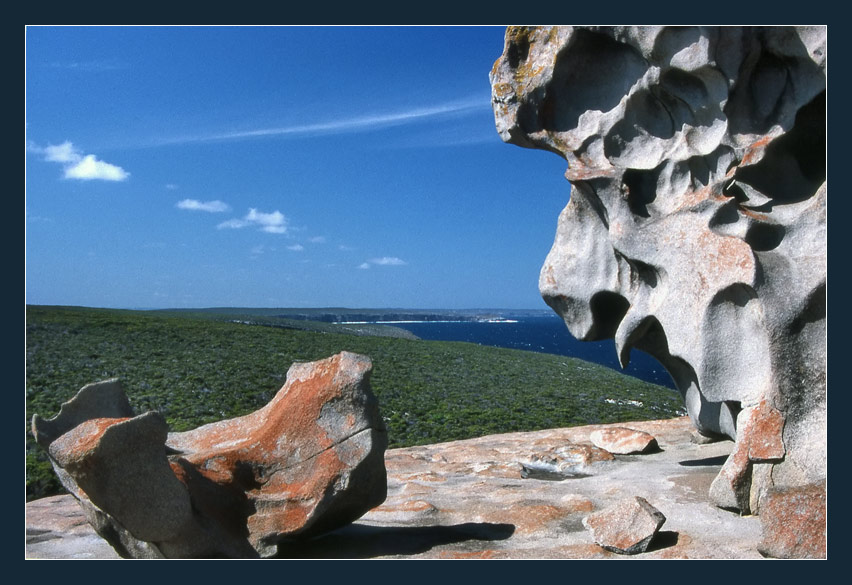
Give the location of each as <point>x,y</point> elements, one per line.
<point>196,370</point>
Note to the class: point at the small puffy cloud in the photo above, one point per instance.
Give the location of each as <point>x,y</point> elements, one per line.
<point>272,223</point>
<point>208,206</point>
<point>296,247</point>
<point>388,261</point>
<point>171,186</point>
<point>364,266</point>
<point>317,240</point>
<point>91,168</point>
<point>62,153</point>
<point>83,167</point>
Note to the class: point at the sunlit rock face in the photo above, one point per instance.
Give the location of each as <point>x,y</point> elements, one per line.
<point>695,229</point>
<point>308,462</point>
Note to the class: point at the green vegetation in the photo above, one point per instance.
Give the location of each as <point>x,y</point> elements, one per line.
<point>198,370</point>
<point>288,320</point>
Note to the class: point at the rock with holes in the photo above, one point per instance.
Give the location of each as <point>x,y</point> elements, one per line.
<point>696,226</point>
<point>627,527</point>
<point>310,461</point>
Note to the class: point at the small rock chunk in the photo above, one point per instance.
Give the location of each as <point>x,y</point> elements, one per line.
<point>623,441</point>
<point>627,528</point>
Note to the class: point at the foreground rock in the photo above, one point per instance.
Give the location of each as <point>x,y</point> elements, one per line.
<point>623,441</point>
<point>467,500</point>
<point>696,226</point>
<point>626,528</point>
<point>310,461</point>
<point>794,523</point>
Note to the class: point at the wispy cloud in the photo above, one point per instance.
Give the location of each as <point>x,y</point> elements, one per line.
<point>272,223</point>
<point>384,261</point>
<point>317,240</point>
<point>296,247</point>
<point>171,186</point>
<point>388,261</point>
<point>90,66</point>
<point>362,123</point>
<point>79,166</point>
<point>208,206</point>
<point>61,153</point>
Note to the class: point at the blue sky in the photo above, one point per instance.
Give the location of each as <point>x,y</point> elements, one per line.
<point>278,167</point>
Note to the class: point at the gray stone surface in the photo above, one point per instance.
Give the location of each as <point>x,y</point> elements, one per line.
<point>696,226</point>
<point>468,500</point>
<point>310,461</point>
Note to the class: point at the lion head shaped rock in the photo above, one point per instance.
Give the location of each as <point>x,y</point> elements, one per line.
<point>695,229</point>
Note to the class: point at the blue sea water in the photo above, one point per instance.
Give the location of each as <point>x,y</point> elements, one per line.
<point>545,335</point>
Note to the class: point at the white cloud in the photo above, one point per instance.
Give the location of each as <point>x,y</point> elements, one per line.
<point>317,240</point>
<point>384,261</point>
<point>272,223</point>
<point>171,186</point>
<point>91,66</point>
<point>296,247</point>
<point>91,168</point>
<point>62,153</point>
<point>209,206</point>
<point>345,248</point>
<point>388,261</point>
<point>80,166</point>
<point>361,123</point>
<point>233,224</point>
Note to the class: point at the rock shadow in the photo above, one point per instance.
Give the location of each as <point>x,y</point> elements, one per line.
<point>360,541</point>
<point>663,539</point>
<point>705,462</point>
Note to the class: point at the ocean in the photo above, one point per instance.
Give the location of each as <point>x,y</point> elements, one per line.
<point>543,334</point>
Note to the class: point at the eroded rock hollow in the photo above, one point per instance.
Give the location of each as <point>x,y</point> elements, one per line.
<point>310,461</point>
<point>696,225</point>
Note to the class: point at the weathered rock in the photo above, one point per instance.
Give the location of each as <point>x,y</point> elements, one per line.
<point>623,441</point>
<point>626,527</point>
<point>793,522</point>
<point>310,461</point>
<point>759,441</point>
<point>565,461</point>
<point>465,499</point>
<point>696,226</point>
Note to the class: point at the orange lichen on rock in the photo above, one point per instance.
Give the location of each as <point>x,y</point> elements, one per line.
<point>309,461</point>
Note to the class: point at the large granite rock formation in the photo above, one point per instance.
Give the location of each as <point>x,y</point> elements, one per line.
<point>696,225</point>
<point>310,461</point>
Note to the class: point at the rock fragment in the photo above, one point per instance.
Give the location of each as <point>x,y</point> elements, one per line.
<point>310,461</point>
<point>627,527</point>
<point>563,462</point>
<point>759,441</point>
<point>623,441</point>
